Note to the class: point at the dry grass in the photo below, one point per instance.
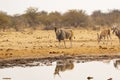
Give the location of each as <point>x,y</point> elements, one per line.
<point>43,43</point>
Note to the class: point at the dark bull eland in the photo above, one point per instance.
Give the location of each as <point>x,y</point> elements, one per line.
<point>63,34</point>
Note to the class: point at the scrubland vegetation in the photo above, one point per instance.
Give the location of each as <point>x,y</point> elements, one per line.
<point>34,19</point>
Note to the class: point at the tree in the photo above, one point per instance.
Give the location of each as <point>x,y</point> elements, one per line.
<point>108,19</point>
<point>42,17</point>
<point>4,20</point>
<point>32,16</point>
<point>54,18</point>
<point>18,22</point>
<point>75,18</point>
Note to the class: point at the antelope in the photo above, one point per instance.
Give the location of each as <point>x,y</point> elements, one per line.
<point>63,34</point>
<point>104,34</point>
<point>116,31</point>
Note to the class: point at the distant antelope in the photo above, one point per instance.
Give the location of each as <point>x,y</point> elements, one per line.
<point>117,32</point>
<point>62,34</point>
<point>104,34</point>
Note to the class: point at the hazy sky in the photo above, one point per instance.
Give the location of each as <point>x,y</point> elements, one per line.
<point>19,6</point>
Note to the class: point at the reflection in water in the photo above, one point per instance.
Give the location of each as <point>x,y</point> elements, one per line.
<point>6,78</point>
<point>68,70</point>
<point>62,66</point>
<point>116,63</point>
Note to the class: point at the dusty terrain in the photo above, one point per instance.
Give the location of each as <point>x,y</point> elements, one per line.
<point>43,44</point>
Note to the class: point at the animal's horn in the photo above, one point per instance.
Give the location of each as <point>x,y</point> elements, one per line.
<point>55,29</point>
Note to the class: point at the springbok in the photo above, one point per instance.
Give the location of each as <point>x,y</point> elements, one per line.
<point>62,34</point>
<point>104,34</point>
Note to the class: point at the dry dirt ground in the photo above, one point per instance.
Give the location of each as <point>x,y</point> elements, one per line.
<point>43,44</point>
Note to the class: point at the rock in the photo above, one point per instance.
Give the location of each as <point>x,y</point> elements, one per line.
<point>89,78</point>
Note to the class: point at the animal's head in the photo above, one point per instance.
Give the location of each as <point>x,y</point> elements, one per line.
<point>98,38</point>
<point>114,28</point>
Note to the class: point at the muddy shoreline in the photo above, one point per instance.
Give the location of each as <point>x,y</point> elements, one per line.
<point>24,62</point>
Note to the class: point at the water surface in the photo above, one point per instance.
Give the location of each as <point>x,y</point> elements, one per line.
<point>65,70</point>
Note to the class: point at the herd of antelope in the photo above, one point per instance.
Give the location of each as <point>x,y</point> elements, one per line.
<point>105,35</point>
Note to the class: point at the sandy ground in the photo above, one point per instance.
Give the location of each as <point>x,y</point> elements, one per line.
<point>23,48</point>
<point>43,44</point>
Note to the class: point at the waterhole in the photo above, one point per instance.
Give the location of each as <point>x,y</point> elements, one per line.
<point>65,70</point>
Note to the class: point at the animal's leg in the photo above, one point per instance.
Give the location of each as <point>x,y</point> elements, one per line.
<point>104,40</point>
<point>64,44</point>
<point>98,38</point>
<point>110,39</point>
<point>98,42</point>
<point>119,41</point>
<point>59,43</point>
<point>107,40</point>
<point>71,42</point>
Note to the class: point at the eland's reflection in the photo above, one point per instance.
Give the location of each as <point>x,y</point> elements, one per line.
<point>62,66</point>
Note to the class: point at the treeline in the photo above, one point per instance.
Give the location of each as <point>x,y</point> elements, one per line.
<point>34,19</point>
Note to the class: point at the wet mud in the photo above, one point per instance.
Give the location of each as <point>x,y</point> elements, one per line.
<point>24,62</point>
